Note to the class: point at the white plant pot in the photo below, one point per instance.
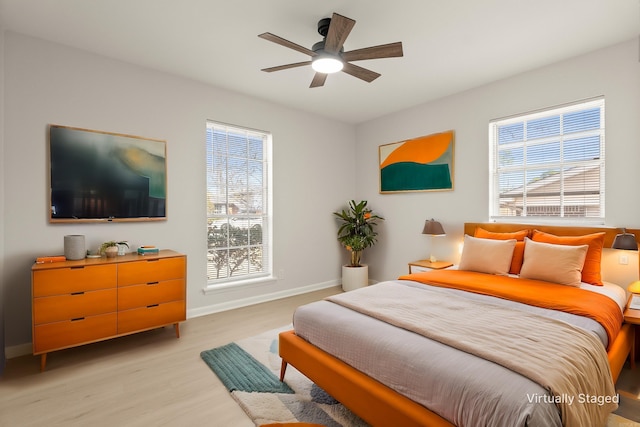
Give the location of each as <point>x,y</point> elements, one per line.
<point>354,277</point>
<point>122,250</point>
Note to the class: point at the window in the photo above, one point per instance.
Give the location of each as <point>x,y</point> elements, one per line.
<point>238,204</point>
<point>549,164</point>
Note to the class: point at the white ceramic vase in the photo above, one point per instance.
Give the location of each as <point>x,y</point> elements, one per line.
<point>111,251</point>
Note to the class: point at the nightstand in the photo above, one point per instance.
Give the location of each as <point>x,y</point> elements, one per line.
<point>426,265</point>
<point>632,316</point>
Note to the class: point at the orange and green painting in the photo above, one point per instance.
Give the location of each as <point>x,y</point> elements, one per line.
<point>420,164</point>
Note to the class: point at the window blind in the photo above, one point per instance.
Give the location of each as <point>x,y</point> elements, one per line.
<point>238,214</point>
<point>549,163</point>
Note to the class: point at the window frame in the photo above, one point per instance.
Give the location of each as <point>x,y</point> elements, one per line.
<point>495,170</point>
<point>266,188</point>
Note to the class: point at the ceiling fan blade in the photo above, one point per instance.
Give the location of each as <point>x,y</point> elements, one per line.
<point>339,30</point>
<point>286,43</point>
<point>391,50</point>
<point>361,73</point>
<point>318,80</point>
<point>285,67</point>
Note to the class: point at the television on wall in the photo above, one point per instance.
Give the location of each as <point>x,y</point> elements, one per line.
<point>101,176</point>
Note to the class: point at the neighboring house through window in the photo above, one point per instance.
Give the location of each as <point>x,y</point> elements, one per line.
<point>549,164</point>
<point>238,204</point>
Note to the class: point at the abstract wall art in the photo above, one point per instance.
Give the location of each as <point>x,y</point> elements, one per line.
<point>419,164</point>
<point>102,176</point>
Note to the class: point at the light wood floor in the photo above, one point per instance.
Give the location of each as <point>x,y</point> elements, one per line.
<point>146,379</point>
<point>151,378</point>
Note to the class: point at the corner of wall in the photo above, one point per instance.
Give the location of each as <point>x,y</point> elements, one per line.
<point>2,350</point>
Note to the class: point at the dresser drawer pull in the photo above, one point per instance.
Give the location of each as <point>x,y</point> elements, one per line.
<point>153,260</point>
<point>79,267</point>
<point>77,293</point>
<point>152,283</point>
<point>77,319</point>
<point>153,305</point>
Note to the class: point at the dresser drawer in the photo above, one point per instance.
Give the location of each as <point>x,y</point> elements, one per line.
<point>151,270</point>
<point>149,317</point>
<point>135,296</point>
<point>72,306</point>
<point>58,281</point>
<point>57,335</point>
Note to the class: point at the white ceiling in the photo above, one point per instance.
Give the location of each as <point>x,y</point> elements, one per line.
<point>449,46</point>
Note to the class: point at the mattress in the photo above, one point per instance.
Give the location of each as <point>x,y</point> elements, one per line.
<point>462,388</point>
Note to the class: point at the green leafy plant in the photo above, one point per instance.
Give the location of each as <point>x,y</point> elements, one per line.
<point>356,231</point>
<point>110,243</point>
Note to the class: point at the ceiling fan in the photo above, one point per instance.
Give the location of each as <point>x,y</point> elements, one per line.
<point>328,56</point>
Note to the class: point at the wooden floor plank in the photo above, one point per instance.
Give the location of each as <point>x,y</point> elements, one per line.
<point>145,379</point>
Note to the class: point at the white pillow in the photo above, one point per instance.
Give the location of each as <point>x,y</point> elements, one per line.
<point>560,264</point>
<point>487,255</point>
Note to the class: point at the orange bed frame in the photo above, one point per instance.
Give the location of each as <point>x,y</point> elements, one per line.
<point>379,405</point>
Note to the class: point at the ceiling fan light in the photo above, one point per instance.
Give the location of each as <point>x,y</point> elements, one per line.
<point>326,64</point>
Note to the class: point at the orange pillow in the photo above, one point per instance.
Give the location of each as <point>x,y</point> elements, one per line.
<point>518,252</point>
<point>593,261</point>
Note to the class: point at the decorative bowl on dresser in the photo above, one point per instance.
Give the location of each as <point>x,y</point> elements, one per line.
<point>90,300</point>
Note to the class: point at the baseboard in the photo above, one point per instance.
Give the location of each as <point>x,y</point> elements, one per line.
<point>244,302</point>
<point>18,350</point>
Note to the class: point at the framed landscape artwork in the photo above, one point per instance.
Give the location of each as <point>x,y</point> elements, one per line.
<point>103,176</point>
<point>419,164</point>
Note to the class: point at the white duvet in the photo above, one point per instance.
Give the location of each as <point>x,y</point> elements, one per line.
<point>460,387</point>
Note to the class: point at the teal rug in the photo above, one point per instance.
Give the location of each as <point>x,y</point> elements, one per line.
<point>250,370</point>
<point>239,371</point>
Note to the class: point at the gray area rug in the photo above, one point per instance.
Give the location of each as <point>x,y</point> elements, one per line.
<point>250,370</point>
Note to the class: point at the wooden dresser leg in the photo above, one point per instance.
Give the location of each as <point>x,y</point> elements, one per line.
<point>43,361</point>
<point>283,369</point>
<point>176,326</point>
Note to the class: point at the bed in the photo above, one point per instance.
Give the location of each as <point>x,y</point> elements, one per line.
<point>404,370</point>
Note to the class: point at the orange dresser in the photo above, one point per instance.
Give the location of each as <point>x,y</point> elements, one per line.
<point>79,302</point>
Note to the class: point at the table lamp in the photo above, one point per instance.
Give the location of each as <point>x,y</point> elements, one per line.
<point>432,228</point>
<point>625,241</point>
<point>634,288</point>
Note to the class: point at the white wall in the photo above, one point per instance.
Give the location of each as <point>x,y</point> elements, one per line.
<point>2,191</point>
<point>613,72</point>
<point>313,171</point>
<point>47,83</point>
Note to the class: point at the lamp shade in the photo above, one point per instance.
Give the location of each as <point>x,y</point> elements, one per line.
<point>634,288</point>
<point>433,228</point>
<point>327,64</point>
<point>626,241</point>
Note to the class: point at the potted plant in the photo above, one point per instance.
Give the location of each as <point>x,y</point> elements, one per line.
<point>356,233</point>
<point>110,248</point>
